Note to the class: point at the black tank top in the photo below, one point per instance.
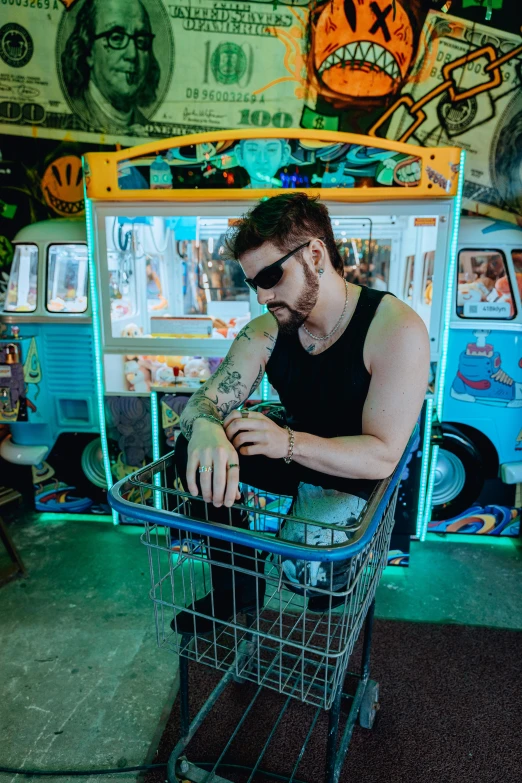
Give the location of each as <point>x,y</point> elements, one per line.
<point>325,394</point>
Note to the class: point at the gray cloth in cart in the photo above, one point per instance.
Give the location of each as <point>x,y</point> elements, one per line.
<point>323,505</point>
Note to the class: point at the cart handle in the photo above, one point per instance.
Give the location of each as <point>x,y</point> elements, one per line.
<point>375,509</point>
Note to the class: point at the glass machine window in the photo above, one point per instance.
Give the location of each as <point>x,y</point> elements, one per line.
<point>22,287</point>
<point>366,256</point>
<point>483,289</point>
<point>67,267</point>
<point>168,277</point>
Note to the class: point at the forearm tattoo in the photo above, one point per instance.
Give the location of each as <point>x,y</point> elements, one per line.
<point>204,401</point>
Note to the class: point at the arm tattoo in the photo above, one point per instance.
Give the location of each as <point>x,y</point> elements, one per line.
<point>244,333</point>
<point>271,345</point>
<point>200,402</point>
<point>257,381</point>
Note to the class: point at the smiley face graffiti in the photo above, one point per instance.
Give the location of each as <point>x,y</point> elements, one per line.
<point>362,50</point>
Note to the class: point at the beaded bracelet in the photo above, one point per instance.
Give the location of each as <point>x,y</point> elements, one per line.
<point>291,438</point>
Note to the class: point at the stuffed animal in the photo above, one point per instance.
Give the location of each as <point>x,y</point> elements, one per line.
<point>504,290</point>
<point>197,367</point>
<point>136,377</point>
<point>172,361</point>
<point>469,292</point>
<point>236,324</point>
<point>132,331</point>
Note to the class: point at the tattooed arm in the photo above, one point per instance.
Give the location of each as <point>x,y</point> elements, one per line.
<point>236,378</point>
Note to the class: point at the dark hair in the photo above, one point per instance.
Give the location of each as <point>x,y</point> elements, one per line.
<point>286,221</point>
<point>76,72</point>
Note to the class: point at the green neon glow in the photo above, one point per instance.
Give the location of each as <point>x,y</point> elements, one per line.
<point>154,410</point>
<point>265,388</point>
<point>154,414</point>
<point>49,518</point>
<point>426,445</point>
<point>472,538</point>
<point>429,493</point>
<point>265,385</point>
<point>98,356</point>
<point>450,292</point>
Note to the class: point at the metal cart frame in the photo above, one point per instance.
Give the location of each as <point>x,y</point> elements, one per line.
<point>281,645</point>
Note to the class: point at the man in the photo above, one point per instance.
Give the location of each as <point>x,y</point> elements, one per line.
<point>262,158</point>
<point>350,365</point>
<point>109,67</point>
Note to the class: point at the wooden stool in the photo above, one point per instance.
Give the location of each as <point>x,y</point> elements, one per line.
<point>16,567</point>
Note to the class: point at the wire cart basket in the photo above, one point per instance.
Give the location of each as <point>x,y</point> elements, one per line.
<point>275,642</point>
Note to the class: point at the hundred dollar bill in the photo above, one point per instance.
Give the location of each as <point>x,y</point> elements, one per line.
<point>107,71</point>
<point>473,104</point>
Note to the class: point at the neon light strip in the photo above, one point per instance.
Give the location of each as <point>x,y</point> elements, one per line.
<point>426,445</point>
<point>154,415</point>
<point>429,493</point>
<point>265,388</point>
<point>424,511</point>
<point>98,356</point>
<point>265,384</point>
<point>450,293</point>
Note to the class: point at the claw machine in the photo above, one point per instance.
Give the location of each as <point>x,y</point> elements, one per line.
<point>166,305</point>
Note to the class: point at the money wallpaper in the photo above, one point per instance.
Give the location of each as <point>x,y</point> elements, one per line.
<point>81,75</point>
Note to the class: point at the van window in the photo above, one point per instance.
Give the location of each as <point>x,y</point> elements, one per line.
<point>483,288</point>
<point>67,278</point>
<point>22,287</point>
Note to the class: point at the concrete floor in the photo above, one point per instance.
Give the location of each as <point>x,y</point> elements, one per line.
<point>84,685</point>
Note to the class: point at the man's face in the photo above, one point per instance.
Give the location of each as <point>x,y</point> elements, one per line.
<point>262,158</point>
<point>292,300</point>
<point>119,73</point>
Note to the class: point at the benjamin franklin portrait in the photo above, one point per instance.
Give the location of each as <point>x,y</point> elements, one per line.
<point>111,72</point>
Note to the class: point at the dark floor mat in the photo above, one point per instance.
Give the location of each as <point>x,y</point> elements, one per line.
<point>451,712</point>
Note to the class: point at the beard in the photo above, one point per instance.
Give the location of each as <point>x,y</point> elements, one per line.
<point>306,301</point>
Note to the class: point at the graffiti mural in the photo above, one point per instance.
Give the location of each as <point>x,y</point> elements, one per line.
<point>400,69</point>
<point>482,520</point>
<point>465,90</point>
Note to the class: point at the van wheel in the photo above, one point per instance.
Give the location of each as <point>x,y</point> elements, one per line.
<point>92,463</point>
<point>459,475</point>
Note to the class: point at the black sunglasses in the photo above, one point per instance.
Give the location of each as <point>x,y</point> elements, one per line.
<point>272,274</point>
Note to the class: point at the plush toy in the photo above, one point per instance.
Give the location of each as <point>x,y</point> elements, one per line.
<point>132,331</point>
<point>236,324</point>
<point>56,305</point>
<point>136,377</point>
<point>469,292</point>
<point>504,290</point>
<point>197,367</point>
<point>172,361</point>
<point>163,374</point>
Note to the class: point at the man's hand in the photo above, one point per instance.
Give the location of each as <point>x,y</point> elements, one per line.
<point>210,447</point>
<point>256,434</point>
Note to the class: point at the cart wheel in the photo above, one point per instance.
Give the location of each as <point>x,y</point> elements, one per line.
<point>369,705</point>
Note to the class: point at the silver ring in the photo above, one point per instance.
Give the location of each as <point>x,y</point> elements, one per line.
<point>206,469</point>
<point>244,413</point>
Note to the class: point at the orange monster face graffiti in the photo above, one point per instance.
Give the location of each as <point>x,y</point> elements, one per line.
<point>361,49</point>
<point>62,186</point>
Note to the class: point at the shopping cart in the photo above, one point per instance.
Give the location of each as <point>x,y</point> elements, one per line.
<point>279,645</point>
